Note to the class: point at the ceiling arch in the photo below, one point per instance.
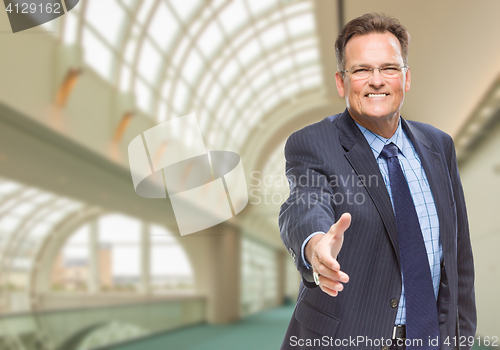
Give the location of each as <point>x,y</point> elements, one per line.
<point>230,61</point>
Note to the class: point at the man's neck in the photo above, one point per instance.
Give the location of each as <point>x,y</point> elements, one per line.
<point>385,128</point>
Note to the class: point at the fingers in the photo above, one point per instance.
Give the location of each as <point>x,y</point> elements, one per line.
<point>330,287</point>
<point>332,275</point>
<point>330,281</point>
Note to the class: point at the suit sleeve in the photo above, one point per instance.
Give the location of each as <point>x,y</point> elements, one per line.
<point>465,264</point>
<point>309,207</point>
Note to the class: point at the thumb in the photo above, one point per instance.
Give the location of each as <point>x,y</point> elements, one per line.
<point>343,223</point>
<point>336,233</point>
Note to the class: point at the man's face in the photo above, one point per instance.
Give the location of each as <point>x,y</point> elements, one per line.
<point>364,100</point>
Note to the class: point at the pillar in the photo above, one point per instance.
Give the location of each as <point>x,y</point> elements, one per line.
<point>215,255</point>
<point>93,248</point>
<point>145,268</point>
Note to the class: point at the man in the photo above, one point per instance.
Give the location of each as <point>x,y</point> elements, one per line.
<point>376,219</point>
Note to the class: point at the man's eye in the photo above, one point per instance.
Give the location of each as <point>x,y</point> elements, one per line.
<point>391,69</point>
<point>361,70</point>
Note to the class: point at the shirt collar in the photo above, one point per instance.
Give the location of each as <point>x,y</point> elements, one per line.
<point>378,142</point>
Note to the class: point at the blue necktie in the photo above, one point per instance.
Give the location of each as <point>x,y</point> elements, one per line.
<point>421,308</point>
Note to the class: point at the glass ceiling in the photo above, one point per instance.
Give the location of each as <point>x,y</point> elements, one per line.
<point>231,62</point>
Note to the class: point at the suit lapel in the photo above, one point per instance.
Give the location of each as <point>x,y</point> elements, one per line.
<point>360,156</point>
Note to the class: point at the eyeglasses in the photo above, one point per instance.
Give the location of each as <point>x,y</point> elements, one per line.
<point>365,73</point>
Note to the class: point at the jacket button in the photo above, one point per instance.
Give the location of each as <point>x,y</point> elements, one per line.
<point>394,303</point>
<point>385,347</point>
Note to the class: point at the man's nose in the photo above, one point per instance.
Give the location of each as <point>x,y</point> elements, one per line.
<point>376,78</point>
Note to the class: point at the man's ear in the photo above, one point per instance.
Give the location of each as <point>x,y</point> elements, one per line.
<point>408,80</point>
<point>340,84</point>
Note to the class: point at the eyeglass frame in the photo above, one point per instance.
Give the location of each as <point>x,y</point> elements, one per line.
<point>372,69</point>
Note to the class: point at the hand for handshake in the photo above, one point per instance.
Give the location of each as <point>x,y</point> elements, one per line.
<point>322,250</point>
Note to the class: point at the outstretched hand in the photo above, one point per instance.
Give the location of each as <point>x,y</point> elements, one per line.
<point>322,253</point>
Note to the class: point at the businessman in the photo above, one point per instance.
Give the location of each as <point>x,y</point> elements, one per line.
<point>376,220</point>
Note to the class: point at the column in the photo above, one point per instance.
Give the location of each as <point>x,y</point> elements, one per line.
<point>93,248</point>
<point>145,268</point>
<point>215,257</point>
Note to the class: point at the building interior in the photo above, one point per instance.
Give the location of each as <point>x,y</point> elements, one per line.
<point>87,263</point>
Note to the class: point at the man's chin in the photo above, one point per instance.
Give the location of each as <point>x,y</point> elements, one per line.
<point>380,115</point>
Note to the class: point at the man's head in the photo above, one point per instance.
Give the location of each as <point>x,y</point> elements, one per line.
<point>368,24</point>
<point>374,97</point>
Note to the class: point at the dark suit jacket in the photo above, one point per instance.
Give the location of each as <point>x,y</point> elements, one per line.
<point>331,170</point>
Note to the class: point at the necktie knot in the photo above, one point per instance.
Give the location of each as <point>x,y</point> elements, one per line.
<point>389,151</point>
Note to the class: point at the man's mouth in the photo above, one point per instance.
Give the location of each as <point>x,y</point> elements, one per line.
<point>376,95</point>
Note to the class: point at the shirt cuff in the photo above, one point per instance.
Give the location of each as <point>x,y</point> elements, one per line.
<point>304,245</point>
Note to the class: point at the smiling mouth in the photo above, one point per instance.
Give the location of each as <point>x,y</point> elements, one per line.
<point>376,95</point>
